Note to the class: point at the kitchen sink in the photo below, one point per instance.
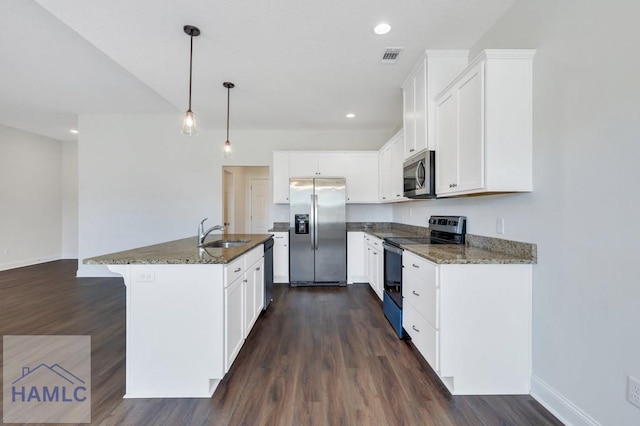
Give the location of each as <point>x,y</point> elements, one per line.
<point>225,243</point>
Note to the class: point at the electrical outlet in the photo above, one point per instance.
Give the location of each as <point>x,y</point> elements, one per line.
<point>633,391</point>
<point>500,225</point>
<point>146,277</point>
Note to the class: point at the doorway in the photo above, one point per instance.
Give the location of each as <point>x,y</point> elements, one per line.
<point>246,199</point>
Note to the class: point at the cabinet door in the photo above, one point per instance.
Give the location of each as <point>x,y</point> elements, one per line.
<point>380,273</point>
<point>420,82</point>
<point>386,172</point>
<point>366,253</point>
<point>249,283</point>
<point>409,117</point>
<point>471,130</point>
<point>234,316</point>
<point>355,258</point>
<point>361,172</point>
<point>280,176</point>
<point>258,272</point>
<point>303,164</point>
<point>281,257</point>
<point>396,171</point>
<point>333,164</point>
<point>447,143</point>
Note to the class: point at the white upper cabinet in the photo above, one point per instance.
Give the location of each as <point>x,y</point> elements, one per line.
<point>391,158</point>
<point>483,126</point>
<point>280,177</point>
<point>432,73</point>
<point>359,168</point>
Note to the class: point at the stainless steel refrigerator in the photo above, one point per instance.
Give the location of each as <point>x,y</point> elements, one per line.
<point>317,231</point>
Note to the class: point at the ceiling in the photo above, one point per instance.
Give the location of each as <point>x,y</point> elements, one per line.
<point>297,64</point>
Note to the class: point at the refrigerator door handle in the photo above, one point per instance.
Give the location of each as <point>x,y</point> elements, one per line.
<point>312,222</point>
<point>315,220</point>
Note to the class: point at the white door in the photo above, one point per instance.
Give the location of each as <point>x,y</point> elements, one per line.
<point>228,200</point>
<point>259,206</point>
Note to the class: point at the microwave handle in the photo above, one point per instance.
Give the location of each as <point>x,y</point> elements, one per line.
<point>420,164</point>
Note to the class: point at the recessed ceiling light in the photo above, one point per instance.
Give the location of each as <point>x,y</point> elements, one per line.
<point>382,28</point>
<point>74,131</point>
<point>351,115</point>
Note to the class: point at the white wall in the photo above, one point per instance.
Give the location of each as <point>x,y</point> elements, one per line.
<point>30,198</point>
<point>141,182</point>
<point>69,200</point>
<point>583,211</point>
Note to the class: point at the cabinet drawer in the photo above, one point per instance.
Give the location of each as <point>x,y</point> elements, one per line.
<point>233,270</point>
<point>424,336</point>
<point>254,255</point>
<point>419,287</point>
<point>280,237</point>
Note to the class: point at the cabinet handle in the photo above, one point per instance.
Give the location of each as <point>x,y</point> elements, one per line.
<point>414,292</point>
<point>414,327</point>
<point>244,281</point>
<point>411,150</point>
<point>384,198</point>
<point>415,266</point>
<point>375,253</point>
<point>238,270</point>
<point>397,195</point>
<point>258,268</point>
<point>279,237</point>
<point>285,245</point>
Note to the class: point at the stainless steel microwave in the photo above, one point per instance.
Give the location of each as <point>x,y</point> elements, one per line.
<point>420,175</point>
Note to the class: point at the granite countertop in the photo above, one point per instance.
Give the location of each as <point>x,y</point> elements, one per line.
<point>184,251</point>
<point>477,249</point>
<point>280,227</point>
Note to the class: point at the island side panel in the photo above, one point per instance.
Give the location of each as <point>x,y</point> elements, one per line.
<point>175,329</point>
<point>485,328</point>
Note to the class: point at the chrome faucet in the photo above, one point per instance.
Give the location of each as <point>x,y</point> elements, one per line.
<point>202,234</point>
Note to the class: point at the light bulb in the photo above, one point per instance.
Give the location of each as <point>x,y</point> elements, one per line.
<point>227,152</point>
<point>189,126</point>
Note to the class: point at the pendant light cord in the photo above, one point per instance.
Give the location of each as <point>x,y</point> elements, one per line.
<point>228,96</point>
<point>190,69</point>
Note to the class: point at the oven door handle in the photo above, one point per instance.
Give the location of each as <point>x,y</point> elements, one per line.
<point>392,249</point>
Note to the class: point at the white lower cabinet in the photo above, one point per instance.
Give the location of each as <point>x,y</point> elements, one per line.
<point>374,264</point>
<point>280,257</point>
<point>356,272</point>
<point>233,314</point>
<point>253,295</point>
<point>472,323</point>
<point>244,297</point>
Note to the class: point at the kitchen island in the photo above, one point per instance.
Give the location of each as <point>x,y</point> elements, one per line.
<point>189,311</point>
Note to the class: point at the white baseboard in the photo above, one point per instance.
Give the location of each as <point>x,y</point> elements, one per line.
<point>95,271</point>
<point>28,262</point>
<point>566,411</point>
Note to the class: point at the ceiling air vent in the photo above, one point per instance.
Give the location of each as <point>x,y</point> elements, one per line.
<point>390,55</point>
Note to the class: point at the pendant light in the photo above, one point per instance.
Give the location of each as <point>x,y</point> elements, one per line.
<point>227,144</point>
<point>189,126</point>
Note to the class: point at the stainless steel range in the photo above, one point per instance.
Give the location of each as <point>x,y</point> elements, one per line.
<point>443,230</point>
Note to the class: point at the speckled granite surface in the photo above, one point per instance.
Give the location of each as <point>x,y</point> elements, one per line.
<point>184,251</point>
<point>453,254</point>
<point>477,250</point>
<point>280,227</point>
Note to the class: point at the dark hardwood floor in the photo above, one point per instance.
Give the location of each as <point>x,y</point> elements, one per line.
<point>323,356</point>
